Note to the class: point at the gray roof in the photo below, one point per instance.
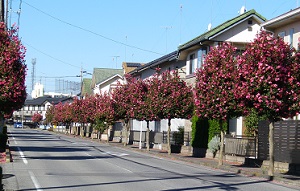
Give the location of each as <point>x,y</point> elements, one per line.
<point>41,100</point>
<point>133,64</point>
<point>165,58</point>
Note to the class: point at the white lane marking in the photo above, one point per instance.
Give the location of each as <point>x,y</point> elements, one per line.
<point>34,180</point>
<point>22,156</point>
<point>116,154</point>
<point>88,154</point>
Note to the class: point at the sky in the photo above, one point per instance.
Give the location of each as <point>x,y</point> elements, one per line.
<point>67,36</point>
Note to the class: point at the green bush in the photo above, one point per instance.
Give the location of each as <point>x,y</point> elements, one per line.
<point>199,132</point>
<point>214,128</point>
<point>214,144</point>
<point>3,141</point>
<point>251,123</point>
<point>178,136</point>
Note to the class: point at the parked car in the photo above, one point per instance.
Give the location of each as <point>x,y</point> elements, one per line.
<point>18,125</point>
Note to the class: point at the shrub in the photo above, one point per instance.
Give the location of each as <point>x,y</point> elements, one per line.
<point>214,128</point>
<point>199,132</point>
<point>251,123</point>
<point>179,136</point>
<point>214,144</point>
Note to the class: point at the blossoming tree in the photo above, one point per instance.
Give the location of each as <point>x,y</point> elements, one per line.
<point>36,118</point>
<point>269,82</point>
<point>214,90</point>
<point>12,71</point>
<point>170,98</point>
<point>122,102</point>
<point>104,111</point>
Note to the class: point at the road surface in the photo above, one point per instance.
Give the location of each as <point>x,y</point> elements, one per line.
<point>48,161</point>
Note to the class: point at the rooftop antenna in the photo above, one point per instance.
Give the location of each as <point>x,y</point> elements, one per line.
<point>167,27</point>
<point>210,25</point>
<point>242,10</point>
<point>116,57</point>
<point>180,22</point>
<point>33,61</point>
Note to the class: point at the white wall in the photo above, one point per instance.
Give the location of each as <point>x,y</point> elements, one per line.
<point>175,123</point>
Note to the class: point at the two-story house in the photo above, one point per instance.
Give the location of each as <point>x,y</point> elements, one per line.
<point>286,26</point>
<point>104,78</point>
<point>239,31</point>
<point>166,62</point>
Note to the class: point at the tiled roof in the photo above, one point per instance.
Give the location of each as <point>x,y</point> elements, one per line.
<point>165,58</point>
<point>41,100</point>
<point>86,86</point>
<point>133,64</point>
<point>101,74</point>
<point>220,28</point>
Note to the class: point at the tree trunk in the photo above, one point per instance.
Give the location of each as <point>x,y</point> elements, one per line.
<point>222,144</point>
<point>71,126</point>
<point>148,137</point>
<point>221,149</point>
<point>271,150</point>
<point>1,122</point>
<point>168,136</point>
<point>107,128</point>
<point>126,132</point>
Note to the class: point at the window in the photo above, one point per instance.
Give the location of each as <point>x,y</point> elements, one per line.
<point>281,34</point>
<point>249,22</point>
<point>201,56</point>
<point>192,63</point>
<point>291,37</point>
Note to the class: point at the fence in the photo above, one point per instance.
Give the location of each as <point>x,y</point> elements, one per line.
<point>241,146</point>
<point>286,141</point>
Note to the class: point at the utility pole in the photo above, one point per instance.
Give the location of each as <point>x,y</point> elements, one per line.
<point>2,10</point>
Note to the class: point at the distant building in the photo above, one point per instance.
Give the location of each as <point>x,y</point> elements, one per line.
<point>38,105</point>
<point>38,91</point>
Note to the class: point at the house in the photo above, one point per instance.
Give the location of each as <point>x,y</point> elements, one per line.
<point>129,66</point>
<point>104,79</point>
<point>166,62</point>
<point>239,31</point>
<point>286,26</point>
<point>38,105</point>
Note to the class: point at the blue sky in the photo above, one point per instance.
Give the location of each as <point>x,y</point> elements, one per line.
<point>65,35</point>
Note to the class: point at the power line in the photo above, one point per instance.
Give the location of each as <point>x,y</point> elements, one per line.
<point>51,56</point>
<point>89,31</point>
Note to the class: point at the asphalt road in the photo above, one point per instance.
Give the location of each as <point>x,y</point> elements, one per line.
<point>47,161</point>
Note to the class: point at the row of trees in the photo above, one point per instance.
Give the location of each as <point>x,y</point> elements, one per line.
<point>164,96</point>
<point>263,79</point>
<point>12,72</point>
